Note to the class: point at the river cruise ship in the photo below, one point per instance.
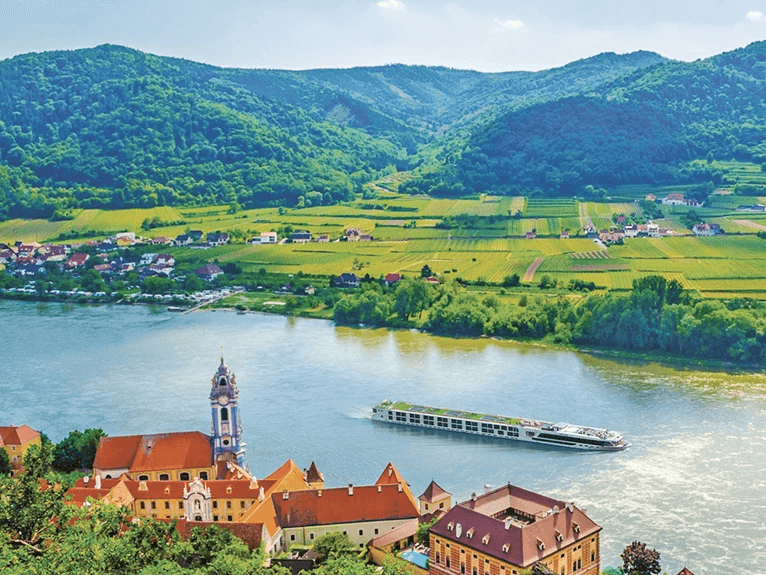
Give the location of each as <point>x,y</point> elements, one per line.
<point>539,432</point>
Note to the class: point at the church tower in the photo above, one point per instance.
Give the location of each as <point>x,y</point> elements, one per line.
<point>227,430</point>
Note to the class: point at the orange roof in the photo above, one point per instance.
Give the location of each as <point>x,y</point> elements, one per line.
<point>313,475</point>
<point>287,477</point>
<point>250,534</point>
<point>158,452</point>
<point>391,476</point>
<point>343,505</point>
<point>17,435</point>
<point>434,493</point>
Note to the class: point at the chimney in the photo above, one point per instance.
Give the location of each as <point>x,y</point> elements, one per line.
<point>319,493</point>
<point>98,482</point>
<point>350,489</point>
<point>399,486</point>
<point>379,488</point>
<point>487,488</point>
<point>285,494</point>
<point>260,494</point>
<point>473,496</point>
<point>508,522</point>
<point>85,480</point>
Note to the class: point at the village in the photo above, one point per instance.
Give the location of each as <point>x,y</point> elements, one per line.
<point>196,480</point>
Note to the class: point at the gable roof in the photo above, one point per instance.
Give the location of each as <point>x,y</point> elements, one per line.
<point>313,475</point>
<point>17,435</point>
<point>434,493</point>
<point>343,505</point>
<point>391,476</point>
<point>157,452</point>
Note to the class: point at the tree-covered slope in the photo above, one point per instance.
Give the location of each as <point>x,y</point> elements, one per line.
<point>125,128</point>
<point>641,128</point>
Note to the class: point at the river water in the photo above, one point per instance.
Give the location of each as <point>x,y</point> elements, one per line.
<point>693,484</point>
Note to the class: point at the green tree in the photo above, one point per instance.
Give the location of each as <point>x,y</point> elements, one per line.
<point>335,545</point>
<point>5,463</point>
<point>412,296</point>
<point>511,280</point>
<point>77,450</point>
<point>425,271</point>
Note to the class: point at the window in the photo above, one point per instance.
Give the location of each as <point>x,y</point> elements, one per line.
<point>228,505</point>
<point>164,477</point>
<point>592,556</point>
<point>224,414</point>
<point>228,517</point>
<point>241,504</point>
<point>441,505</point>
<point>203,475</point>
<point>456,424</point>
<point>222,382</point>
<point>143,478</point>
<point>344,533</point>
<point>361,532</point>
<point>167,505</point>
<point>154,505</point>
<point>475,571</point>
<point>462,568</point>
<point>292,537</point>
<point>184,476</point>
<point>180,504</point>
<point>215,517</point>
<point>446,560</point>
<point>376,531</point>
<point>215,505</point>
<point>311,536</point>
<point>143,505</point>
<point>438,557</point>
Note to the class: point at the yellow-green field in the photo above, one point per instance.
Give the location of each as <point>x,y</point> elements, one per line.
<point>490,248</point>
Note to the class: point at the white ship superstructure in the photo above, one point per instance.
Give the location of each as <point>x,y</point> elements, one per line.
<point>500,427</point>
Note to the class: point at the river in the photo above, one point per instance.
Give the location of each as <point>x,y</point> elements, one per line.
<point>692,485</point>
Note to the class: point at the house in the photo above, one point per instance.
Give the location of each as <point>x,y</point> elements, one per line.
<point>650,198</point>
<point>123,242</point>
<point>630,231</point>
<point>353,234</point>
<point>434,498</point>
<point>680,200</point>
<point>685,571</point>
<point>300,237</point>
<point>751,208</point>
<point>216,239</point>
<point>129,236</point>
<point>564,234</point>
<point>703,229</point>
<point>346,281</point>
<point>391,279</point>
<point>165,260</point>
<point>161,270</point>
<point>147,258</point>
<point>510,529</point>
<point>16,440</point>
<point>159,241</point>
<point>177,456</point>
<point>365,238</point>
<point>183,240</point>
<point>268,237</point>
<point>309,290</point>
<point>7,256</point>
<point>208,272</point>
<point>103,268</point>
<point>28,248</point>
<point>323,239</point>
<point>361,512</point>
<point>54,252</point>
<point>76,260</point>
<point>530,235</point>
<point>609,237</point>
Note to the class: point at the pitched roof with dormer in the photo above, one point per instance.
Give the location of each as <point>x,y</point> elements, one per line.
<point>391,476</point>
<point>157,452</point>
<point>551,525</point>
<point>343,505</point>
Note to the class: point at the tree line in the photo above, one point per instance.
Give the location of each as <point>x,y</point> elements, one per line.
<point>657,316</point>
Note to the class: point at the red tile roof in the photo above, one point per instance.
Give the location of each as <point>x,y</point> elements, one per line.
<point>17,435</point>
<point>158,452</point>
<point>343,505</point>
<point>433,493</point>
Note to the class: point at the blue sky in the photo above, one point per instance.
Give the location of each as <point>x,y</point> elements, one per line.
<point>486,35</point>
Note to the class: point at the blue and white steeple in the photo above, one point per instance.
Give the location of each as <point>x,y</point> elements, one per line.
<point>227,429</point>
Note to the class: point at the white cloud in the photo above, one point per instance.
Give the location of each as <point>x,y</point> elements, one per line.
<point>755,16</point>
<point>509,24</point>
<point>396,5</point>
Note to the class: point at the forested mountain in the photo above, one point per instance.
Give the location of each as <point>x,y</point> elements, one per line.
<point>644,127</point>
<point>114,127</point>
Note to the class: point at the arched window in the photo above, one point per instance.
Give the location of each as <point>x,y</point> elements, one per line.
<point>198,518</point>
<point>107,476</point>
<point>222,382</point>
<point>143,478</point>
<point>164,477</point>
<point>203,475</point>
<point>224,414</point>
<point>184,476</point>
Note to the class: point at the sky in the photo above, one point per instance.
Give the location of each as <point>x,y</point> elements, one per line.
<point>484,35</point>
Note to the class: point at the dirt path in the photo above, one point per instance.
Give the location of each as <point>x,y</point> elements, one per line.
<point>530,273</point>
<point>585,220</point>
<point>749,224</point>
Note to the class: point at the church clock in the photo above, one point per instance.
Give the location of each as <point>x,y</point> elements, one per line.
<point>226,428</point>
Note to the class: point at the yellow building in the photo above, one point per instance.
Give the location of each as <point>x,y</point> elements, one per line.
<point>510,529</point>
<point>16,440</point>
<point>434,499</point>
